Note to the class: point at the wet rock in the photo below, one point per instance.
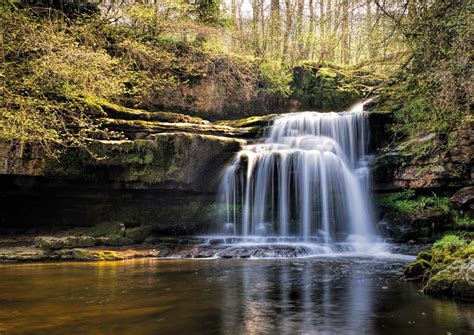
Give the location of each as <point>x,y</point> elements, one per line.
<point>203,251</point>
<point>400,169</point>
<point>98,254</point>
<point>417,270</point>
<point>265,251</point>
<point>236,251</point>
<point>217,241</point>
<point>171,240</point>
<point>21,254</point>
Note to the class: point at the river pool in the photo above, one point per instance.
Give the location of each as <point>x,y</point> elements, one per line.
<point>344,295</point>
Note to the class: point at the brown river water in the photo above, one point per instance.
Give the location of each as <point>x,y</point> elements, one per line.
<point>318,295</point>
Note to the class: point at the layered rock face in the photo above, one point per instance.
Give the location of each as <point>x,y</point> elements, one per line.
<point>432,177</point>
<point>164,171</point>
<point>397,170</point>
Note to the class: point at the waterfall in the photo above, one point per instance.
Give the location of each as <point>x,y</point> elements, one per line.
<point>308,179</point>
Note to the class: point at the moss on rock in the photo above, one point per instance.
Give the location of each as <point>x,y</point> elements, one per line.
<point>417,270</point>
<point>139,234</point>
<point>451,270</point>
<point>330,87</point>
<point>54,243</point>
<point>442,282</point>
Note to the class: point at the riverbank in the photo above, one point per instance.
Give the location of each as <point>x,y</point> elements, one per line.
<point>29,248</point>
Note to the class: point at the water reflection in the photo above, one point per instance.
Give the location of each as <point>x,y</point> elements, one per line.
<point>299,298</point>
<point>305,296</point>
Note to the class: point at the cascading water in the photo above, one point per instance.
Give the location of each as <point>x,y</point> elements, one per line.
<point>308,180</point>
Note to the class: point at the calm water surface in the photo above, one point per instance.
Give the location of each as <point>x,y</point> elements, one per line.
<point>304,296</point>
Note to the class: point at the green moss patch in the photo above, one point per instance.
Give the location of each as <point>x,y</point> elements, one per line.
<point>448,272</point>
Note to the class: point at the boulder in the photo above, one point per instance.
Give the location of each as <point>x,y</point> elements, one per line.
<point>419,226</point>
<point>417,270</point>
<point>456,280</point>
<point>442,282</point>
<point>463,199</point>
<point>464,286</point>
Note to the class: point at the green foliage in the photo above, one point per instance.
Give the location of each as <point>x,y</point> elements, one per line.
<point>276,78</point>
<point>45,73</point>
<point>331,87</point>
<point>463,221</point>
<point>443,267</point>
<point>451,247</point>
<point>450,243</point>
<point>208,12</point>
<point>407,202</point>
<point>402,202</point>
<point>433,93</point>
<point>55,69</point>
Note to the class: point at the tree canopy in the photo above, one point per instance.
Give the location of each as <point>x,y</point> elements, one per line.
<point>60,56</point>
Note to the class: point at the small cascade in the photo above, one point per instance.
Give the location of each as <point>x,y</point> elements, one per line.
<point>308,179</point>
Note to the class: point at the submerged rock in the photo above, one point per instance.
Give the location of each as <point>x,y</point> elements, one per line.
<point>265,251</point>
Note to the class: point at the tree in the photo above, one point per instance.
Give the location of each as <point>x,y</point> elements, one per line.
<point>345,37</point>
<point>275,28</point>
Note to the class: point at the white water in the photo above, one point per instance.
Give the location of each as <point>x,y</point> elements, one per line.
<point>307,180</point>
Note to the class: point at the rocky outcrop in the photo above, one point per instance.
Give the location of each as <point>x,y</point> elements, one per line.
<point>33,254</point>
<point>401,169</point>
<point>463,200</point>
<point>163,170</point>
<point>165,160</point>
<point>448,269</point>
<point>420,226</point>
<point>21,160</point>
<point>431,175</point>
<point>161,149</point>
<point>456,280</point>
<point>224,92</point>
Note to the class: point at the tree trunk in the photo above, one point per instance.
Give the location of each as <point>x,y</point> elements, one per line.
<point>255,15</point>
<point>299,28</point>
<point>329,32</point>
<point>322,30</point>
<point>289,10</point>
<point>275,27</point>
<point>310,37</point>
<point>345,43</point>
<point>370,28</point>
